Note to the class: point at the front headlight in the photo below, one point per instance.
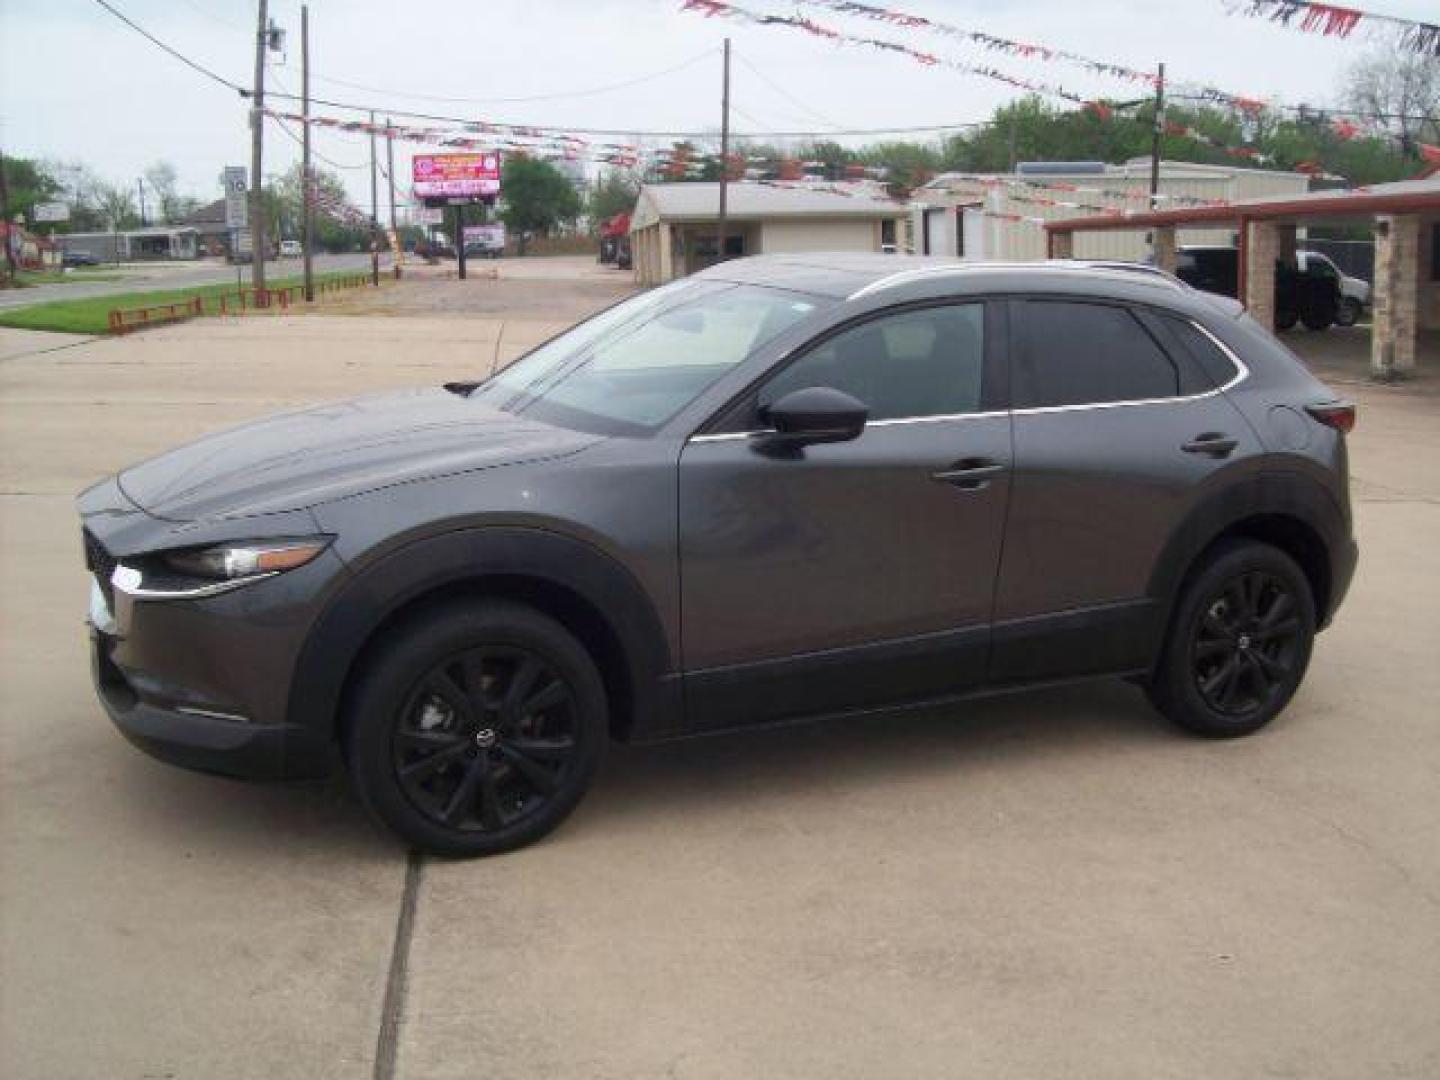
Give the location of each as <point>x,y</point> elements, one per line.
<point>228,562</point>
<point>193,573</point>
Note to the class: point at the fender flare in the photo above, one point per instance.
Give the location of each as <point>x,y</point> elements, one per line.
<point>380,589</point>
<point>1269,494</point>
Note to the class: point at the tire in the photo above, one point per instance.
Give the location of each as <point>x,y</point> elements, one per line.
<point>1318,320</point>
<point>1238,644</point>
<point>1349,313</point>
<point>1286,320</point>
<point>476,728</point>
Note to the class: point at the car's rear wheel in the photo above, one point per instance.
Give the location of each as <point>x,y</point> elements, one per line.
<point>1239,642</point>
<point>1349,312</point>
<point>476,729</point>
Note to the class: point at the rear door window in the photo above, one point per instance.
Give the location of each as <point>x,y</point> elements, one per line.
<point>1075,353</point>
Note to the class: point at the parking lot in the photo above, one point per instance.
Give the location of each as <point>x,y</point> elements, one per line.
<point>1052,884</point>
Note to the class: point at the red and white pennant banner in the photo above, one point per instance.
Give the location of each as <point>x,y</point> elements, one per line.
<point>1332,20</point>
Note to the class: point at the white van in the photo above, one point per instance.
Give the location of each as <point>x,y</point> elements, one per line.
<point>290,249</point>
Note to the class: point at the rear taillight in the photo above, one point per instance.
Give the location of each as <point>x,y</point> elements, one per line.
<point>1339,415</point>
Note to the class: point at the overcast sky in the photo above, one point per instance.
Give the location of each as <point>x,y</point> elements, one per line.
<point>76,84</point>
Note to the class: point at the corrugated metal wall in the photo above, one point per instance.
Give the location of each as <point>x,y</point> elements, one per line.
<point>994,196</point>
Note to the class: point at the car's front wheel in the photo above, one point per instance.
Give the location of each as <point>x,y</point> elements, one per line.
<point>1239,642</point>
<point>476,728</point>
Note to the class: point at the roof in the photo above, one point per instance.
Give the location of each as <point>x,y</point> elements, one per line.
<point>750,201</point>
<point>1404,196</point>
<point>210,214</point>
<point>1135,168</point>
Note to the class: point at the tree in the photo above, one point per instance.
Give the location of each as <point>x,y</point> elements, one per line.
<point>285,208</point>
<point>1403,87</point>
<point>615,193</point>
<point>170,206</point>
<point>539,198</point>
<point>27,182</point>
<point>117,204</point>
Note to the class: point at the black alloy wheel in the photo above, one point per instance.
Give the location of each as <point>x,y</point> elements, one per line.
<point>1239,641</point>
<point>476,728</point>
<point>1246,644</point>
<point>486,739</point>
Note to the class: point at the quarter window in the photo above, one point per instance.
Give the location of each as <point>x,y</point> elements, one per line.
<point>1087,354</point>
<point>923,362</point>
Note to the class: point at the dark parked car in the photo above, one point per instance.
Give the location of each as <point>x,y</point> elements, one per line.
<point>78,258</point>
<point>1310,296</point>
<point>785,487</point>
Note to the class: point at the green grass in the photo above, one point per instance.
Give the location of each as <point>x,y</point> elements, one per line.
<point>92,315</point>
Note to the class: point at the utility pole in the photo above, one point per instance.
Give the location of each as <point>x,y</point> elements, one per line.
<point>141,185</point>
<point>1155,138</point>
<point>1013,138</point>
<point>374,210</point>
<point>390,168</point>
<point>6,239</point>
<point>307,201</point>
<point>724,152</point>
<point>257,150</point>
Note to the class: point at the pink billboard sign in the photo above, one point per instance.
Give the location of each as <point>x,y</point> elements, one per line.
<point>458,176</point>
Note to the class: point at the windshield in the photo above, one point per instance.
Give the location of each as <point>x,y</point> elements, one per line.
<point>633,367</point>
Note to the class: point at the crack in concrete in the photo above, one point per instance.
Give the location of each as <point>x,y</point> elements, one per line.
<point>392,1011</point>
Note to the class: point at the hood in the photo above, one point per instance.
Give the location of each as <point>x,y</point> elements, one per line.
<point>298,459</point>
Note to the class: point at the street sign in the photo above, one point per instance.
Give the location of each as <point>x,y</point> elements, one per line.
<point>241,243</point>
<point>52,211</point>
<point>237,197</point>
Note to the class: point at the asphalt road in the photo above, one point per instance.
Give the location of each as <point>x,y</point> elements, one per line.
<point>143,277</point>
<point>1050,884</point>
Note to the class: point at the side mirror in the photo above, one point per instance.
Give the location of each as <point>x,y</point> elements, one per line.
<point>815,414</point>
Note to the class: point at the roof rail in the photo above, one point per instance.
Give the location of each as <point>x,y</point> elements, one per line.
<point>900,277</point>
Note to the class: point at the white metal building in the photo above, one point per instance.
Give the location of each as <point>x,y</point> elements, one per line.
<point>179,242</point>
<point>1001,215</point>
<point>674,229</point>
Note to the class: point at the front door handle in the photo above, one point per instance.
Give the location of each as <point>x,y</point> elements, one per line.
<point>1215,443</point>
<point>969,474</point>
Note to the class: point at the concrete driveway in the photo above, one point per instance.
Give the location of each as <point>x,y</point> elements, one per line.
<point>1044,885</point>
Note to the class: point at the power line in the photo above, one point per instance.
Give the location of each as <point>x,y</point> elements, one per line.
<point>632,132</point>
<point>173,52</point>
<point>786,93</point>
<point>513,100</point>
<point>314,153</point>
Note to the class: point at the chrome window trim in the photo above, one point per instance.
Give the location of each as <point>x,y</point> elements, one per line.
<point>131,582</point>
<point>1242,372</point>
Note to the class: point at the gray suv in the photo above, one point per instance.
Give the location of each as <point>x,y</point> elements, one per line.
<point>785,487</point>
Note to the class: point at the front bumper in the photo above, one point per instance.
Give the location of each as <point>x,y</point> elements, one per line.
<point>212,744</point>
<point>204,683</point>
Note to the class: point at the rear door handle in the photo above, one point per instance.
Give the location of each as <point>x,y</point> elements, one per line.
<point>1215,443</point>
<point>969,474</point>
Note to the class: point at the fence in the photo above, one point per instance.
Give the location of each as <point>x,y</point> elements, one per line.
<point>123,320</point>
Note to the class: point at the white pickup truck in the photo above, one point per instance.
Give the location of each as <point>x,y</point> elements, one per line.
<point>1354,292</point>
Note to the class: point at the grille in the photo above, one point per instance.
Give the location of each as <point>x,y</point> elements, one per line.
<point>100,563</point>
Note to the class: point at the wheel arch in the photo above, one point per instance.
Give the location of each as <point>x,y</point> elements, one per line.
<point>1289,511</point>
<point>592,596</point>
